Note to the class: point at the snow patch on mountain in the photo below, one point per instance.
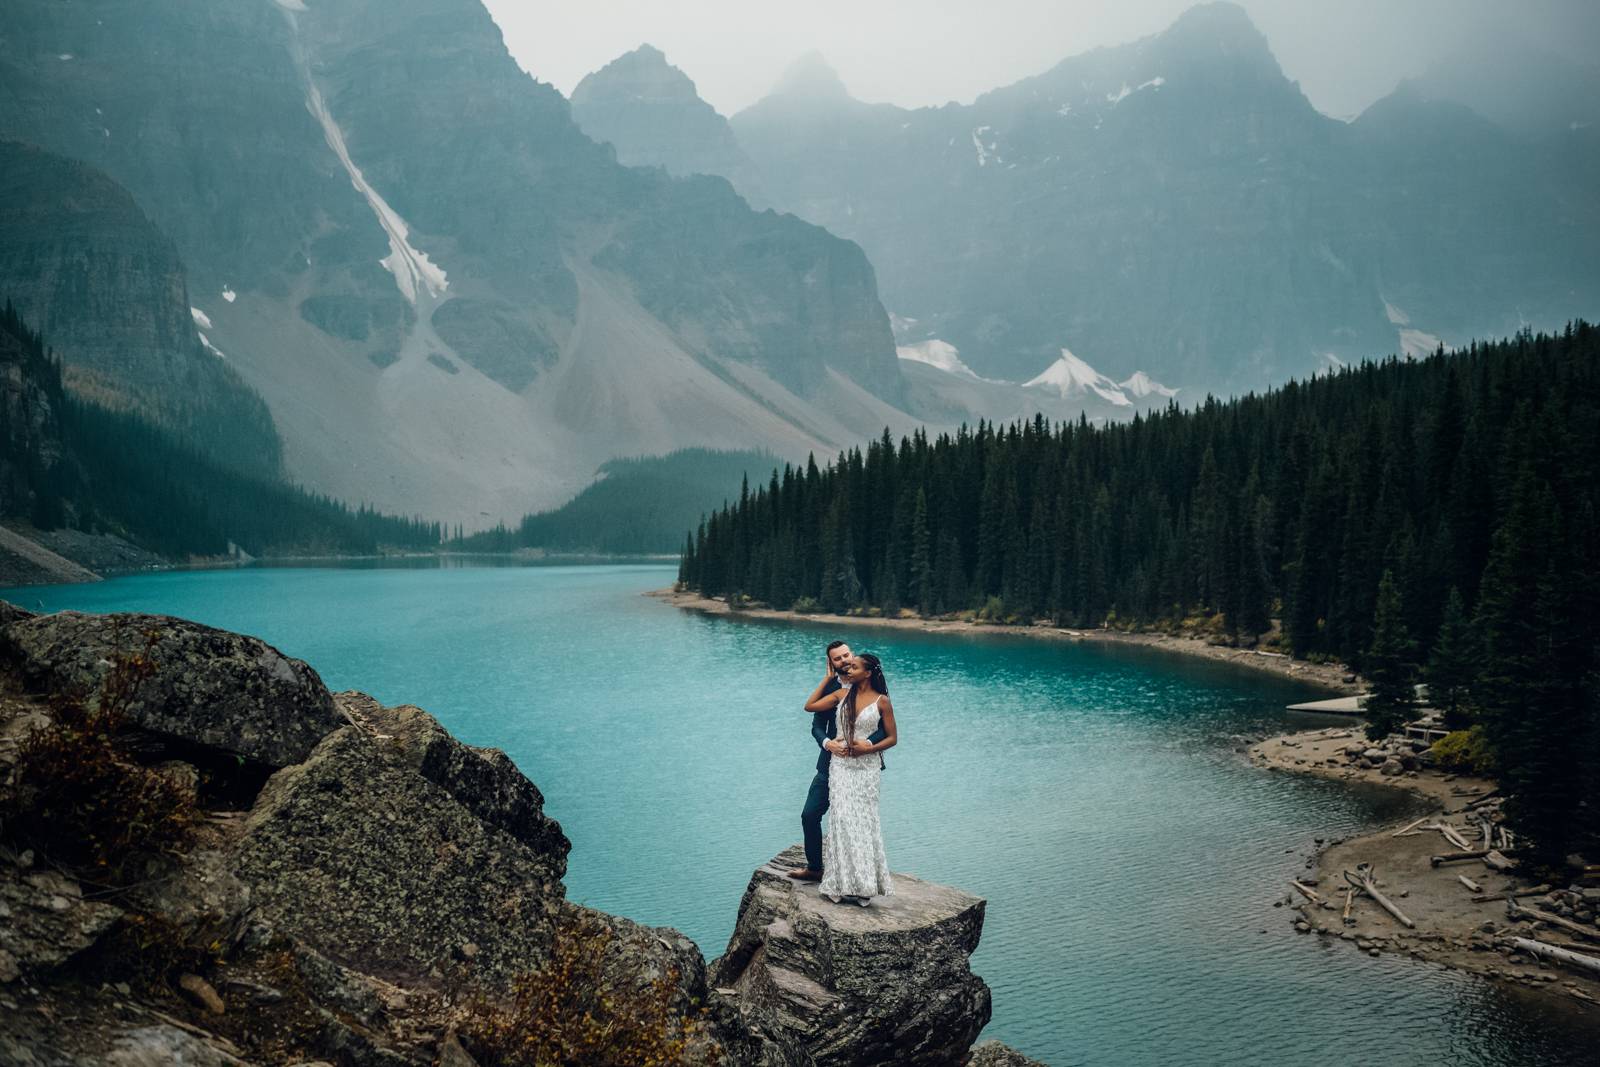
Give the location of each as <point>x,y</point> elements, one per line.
<point>1417,343</point>
<point>1142,385</point>
<point>936,353</point>
<point>229,295</point>
<point>209,347</point>
<point>1396,316</point>
<point>413,271</point>
<point>985,152</point>
<point>201,319</point>
<point>1070,376</point>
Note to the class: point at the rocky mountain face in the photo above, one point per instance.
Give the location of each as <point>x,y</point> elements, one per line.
<point>650,112</point>
<point>30,416</point>
<point>452,300</point>
<point>359,885</point>
<point>83,263</point>
<point>1177,206</point>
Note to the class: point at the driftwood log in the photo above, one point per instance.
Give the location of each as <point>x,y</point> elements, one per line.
<point>1517,911</point>
<point>1305,891</point>
<point>1469,883</point>
<point>1553,952</point>
<point>1531,891</point>
<point>1364,880</point>
<point>1456,857</point>
<point>1496,860</point>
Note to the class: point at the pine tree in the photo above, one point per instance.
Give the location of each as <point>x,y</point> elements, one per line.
<point>921,556</point>
<point>1388,665</point>
<point>1452,665</point>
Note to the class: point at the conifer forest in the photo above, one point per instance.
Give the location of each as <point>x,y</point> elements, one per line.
<point>1430,520</point>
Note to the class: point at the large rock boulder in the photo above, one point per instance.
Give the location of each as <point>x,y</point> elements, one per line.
<point>833,984</point>
<point>483,780</point>
<point>370,863</point>
<point>209,687</point>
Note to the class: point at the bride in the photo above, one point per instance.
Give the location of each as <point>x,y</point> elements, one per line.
<point>853,863</point>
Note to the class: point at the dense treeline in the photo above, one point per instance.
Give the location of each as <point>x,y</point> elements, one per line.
<point>640,505</point>
<point>1404,514</point>
<point>98,470</point>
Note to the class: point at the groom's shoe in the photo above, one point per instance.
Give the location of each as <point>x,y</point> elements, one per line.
<point>806,874</point>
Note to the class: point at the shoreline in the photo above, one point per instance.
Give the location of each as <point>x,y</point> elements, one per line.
<point>1326,676</point>
<point>1453,930</point>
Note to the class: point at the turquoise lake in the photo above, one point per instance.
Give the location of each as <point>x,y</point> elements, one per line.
<point>1094,796</point>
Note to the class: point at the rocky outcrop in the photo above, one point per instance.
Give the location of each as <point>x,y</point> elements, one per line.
<point>384,878</point>
<point>838,984</point>
<point>483,780</point>
<point>209,687</point>
<point>373,865</point>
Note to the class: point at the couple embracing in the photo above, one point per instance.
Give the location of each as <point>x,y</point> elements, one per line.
<point>853,722</point>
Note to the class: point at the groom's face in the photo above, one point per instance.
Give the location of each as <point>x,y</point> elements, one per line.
<point>839,659</point>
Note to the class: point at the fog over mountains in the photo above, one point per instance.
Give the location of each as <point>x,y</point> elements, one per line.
<point>452,301</point>
<point>1175,205</point>
<point>352,241</point>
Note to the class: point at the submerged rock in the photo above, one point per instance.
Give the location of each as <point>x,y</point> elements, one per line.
<point>840,984</point>
<point>994,1054</point>
<point>209,687</point>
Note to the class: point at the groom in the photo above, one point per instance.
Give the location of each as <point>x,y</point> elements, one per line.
<point>823,726</point>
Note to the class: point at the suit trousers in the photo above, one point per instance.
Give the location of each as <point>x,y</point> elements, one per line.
<point>811,819</point>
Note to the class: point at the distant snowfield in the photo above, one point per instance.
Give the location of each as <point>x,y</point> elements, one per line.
<point>1070,376</point>
<point>935,353</point>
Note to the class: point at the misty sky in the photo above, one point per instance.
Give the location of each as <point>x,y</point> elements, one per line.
<point>1344,53</point>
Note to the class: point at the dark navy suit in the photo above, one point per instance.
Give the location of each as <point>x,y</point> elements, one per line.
<point>823,726</point>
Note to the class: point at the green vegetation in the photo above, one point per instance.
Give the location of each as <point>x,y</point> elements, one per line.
<point>637,505</point>
<point>99,470</point>
<point>1475,472</point>
<point>1464,752</point>
<point>576,1013</point>
<point>83,800</point>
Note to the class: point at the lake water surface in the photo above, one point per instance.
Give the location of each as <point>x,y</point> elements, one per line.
<point>1095,797</point>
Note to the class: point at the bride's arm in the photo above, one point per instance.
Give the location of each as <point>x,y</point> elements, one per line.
<point>890,736</point>
<point>819,702</point>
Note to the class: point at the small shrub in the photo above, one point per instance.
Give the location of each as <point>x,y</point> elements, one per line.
<point>1464,752</point>
<point>573,1014</point>
<point>806,605</point>
<point>993,610</point>
<point>79,797</point>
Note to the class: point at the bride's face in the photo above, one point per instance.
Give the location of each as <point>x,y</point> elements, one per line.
<point>856,672</point>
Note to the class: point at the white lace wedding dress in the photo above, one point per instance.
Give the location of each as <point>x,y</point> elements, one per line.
<point>853,862</point>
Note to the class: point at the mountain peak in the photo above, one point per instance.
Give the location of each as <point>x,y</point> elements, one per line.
<point>1208,33</point>
<point>811,78</point>
<point>643,72</point>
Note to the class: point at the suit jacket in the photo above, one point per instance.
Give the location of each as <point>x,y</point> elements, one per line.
<point>825,723</point>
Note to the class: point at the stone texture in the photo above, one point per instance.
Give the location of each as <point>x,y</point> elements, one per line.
<point>45,922</point>
<point>383,871</point>
<point>164,1046</point>
<point>211,688</point>
<point>889,984</point>
<point>994,1054</point>
<point>483,780</point>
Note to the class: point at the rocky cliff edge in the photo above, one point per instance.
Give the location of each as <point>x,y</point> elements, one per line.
<point>346,883</point>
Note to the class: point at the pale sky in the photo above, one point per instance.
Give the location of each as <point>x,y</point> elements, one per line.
<point>1344,53</point>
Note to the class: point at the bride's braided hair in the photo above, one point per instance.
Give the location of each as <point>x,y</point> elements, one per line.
<point>876,680</point>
